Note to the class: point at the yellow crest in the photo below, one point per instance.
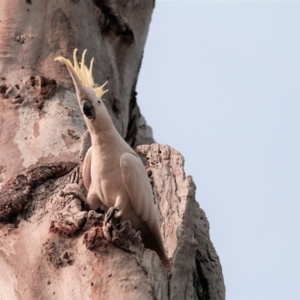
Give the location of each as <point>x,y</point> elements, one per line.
<point>83,72</point>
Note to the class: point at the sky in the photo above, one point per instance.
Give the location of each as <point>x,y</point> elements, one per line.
<point>220,82</point>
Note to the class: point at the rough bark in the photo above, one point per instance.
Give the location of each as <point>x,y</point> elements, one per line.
<point>51,246</point>
<point>69,254</point>
<point>36,93</point>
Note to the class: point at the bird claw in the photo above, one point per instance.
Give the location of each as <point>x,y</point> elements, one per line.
<point>110,214</point>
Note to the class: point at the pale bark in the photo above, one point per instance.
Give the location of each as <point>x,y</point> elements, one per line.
<point>50,246</point>
<point>40,118</point>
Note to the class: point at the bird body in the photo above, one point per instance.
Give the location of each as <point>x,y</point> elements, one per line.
<point>103,175</point>
<point>113,173</point>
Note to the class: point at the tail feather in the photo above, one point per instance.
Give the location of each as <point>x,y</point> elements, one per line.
<point>154,242</point>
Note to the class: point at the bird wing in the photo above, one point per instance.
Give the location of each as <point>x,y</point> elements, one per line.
<point>86,169</point>
<point>139,189</point>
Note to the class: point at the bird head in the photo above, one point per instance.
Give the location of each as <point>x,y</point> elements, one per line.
<point>88,93</point>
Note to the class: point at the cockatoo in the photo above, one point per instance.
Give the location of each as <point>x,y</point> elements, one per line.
<point>113,173</point>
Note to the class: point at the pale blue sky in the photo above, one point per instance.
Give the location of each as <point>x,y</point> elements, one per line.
<point>220,82</point>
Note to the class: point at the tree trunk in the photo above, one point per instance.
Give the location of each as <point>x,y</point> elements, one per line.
<point>50,246</point>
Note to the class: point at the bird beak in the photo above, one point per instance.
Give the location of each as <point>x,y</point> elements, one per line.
<point>88,110</point>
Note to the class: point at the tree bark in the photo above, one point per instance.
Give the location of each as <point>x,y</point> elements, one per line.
<point>50,246</point>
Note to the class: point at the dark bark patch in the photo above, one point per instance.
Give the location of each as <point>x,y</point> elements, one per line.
<point>112,21</point>
<point>13,93</point>
<point>200,282</point>
<point>20,39</point>
<point>45,88</point>
<point>15,194</point>
<point>36,90</point>
<point>70,138</point>
<point>3,88</point>
<point>134,114</point>
<point>57,253</point>
<point>33,93</point>
<point>116,105</point>
<point>2,171</point>
<point>72,134</point>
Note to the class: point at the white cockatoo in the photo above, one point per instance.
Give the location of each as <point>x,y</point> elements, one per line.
<point>113,173</point>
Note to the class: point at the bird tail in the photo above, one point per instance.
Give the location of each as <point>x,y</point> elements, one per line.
<point>155,243</point>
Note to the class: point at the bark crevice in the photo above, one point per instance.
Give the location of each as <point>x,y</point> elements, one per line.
<point>112,21</point>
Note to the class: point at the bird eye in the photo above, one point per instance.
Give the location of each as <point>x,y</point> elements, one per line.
<point>99,101</point>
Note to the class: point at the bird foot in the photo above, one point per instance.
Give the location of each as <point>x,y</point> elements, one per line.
<point>113,215</point>
<point>112,222</point>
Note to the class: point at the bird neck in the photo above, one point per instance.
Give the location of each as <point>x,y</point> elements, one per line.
<point>106,138</point>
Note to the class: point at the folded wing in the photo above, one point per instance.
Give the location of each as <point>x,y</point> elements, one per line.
<point>86,169</point>
<point>139,189</point>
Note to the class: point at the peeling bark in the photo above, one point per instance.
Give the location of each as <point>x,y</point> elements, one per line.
<point>15,194</point>
<point>51,245</point>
